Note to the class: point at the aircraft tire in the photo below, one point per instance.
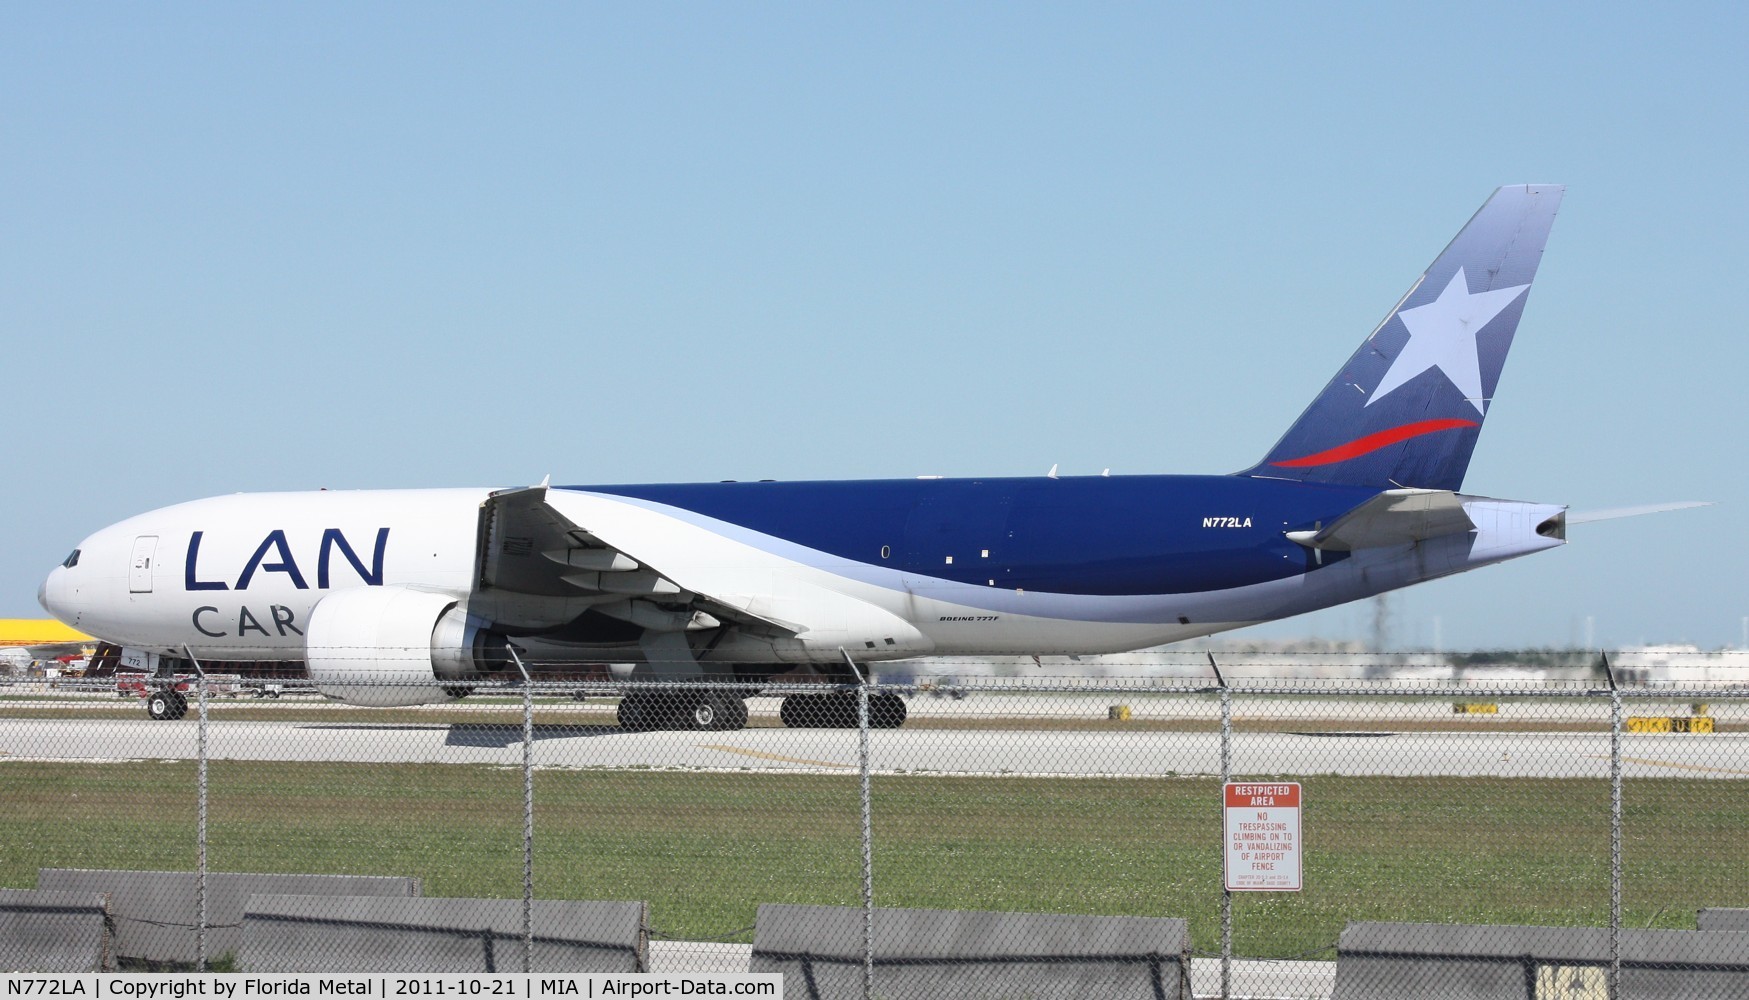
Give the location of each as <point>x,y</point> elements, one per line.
<point>673,710</point>
<point>178,704</point>
<point>799,711</point>
<point>714,710</point>
<point>638,713</point>
<point>840,710</point>
<point>159,706</point>
<point>886,711</point>
<point>728,711</point>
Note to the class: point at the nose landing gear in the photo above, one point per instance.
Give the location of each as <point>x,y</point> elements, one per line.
<point>166,704</point>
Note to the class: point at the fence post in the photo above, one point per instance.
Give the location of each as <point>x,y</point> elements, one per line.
<point>1226,776</point>
<point>867,830</point>
<point>527,813</point>
<point>200,822</point>
<point>1615,829</point>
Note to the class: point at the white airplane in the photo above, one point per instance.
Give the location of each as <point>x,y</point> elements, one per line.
<point>412,596</point>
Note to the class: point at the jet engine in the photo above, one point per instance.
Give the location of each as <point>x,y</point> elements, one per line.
<point>391,646</point>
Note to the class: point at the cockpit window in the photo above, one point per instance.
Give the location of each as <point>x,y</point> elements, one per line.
<point>72,560</point>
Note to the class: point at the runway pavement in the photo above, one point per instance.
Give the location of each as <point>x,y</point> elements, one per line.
<point>1004,750</point>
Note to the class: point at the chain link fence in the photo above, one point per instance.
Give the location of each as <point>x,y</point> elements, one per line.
<point>911,836</point>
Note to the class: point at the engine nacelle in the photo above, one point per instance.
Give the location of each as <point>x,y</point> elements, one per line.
<point>391,646</point>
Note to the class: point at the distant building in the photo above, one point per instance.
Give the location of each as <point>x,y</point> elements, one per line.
<point>1679,663</point>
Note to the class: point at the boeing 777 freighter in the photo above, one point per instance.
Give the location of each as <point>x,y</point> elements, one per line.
<point>410,596</point>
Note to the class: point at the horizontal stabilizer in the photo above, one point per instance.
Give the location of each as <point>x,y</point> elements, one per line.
<point>1394,517</point>
<point>1648,508</point>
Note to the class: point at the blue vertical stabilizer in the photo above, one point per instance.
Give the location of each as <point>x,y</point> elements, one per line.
<point>1407,408</point>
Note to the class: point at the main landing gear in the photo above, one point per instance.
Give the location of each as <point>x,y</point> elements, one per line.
<point>648,711</point>
<point>838,710</point>
<point>644,711</point>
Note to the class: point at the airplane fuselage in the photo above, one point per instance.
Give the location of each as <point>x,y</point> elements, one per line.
<point>945,566</point>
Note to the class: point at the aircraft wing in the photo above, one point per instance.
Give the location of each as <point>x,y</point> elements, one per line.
<point>526,546</point>
<point>1394,517</point>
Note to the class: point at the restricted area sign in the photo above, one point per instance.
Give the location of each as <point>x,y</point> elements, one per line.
<point>1263,836</point>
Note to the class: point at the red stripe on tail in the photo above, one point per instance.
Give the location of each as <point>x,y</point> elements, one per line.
<point>1373,442</point>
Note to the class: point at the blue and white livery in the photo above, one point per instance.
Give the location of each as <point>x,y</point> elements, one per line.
<point>399,597</point>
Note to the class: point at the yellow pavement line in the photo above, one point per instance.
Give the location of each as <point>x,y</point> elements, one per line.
<point>762,755</point>
<point>1649,762</point>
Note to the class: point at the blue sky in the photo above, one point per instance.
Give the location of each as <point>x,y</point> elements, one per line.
<point>274,246</point>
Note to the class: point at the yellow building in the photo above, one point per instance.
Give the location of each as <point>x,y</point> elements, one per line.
<point>40,632</point>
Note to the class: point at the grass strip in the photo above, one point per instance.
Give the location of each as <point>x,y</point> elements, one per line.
<point>706,849</point>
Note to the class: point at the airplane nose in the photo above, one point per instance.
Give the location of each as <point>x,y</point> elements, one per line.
<point>52,595</point>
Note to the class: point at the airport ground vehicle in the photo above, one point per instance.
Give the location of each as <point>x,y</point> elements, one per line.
<point>168,697</point>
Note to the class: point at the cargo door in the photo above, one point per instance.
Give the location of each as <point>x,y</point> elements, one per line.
<point>958,532</point>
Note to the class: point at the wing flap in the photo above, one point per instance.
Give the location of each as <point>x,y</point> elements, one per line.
<point>528,547</point>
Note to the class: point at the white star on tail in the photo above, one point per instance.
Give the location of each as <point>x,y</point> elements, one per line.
<point>1442,334</point>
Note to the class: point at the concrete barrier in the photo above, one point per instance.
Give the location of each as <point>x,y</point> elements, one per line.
<point>53,931</point>
<point>375,934</point>
<point>1462,961</point>
<point>1718,918</point>
<point>155,915</point>
<point>972,954</point>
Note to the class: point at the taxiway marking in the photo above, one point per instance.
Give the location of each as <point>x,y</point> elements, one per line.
<point>762,755</point>
<point>1649,762</point>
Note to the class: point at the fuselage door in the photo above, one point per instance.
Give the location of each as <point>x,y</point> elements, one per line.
<point>140,567</point>
<point>958,531</point>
